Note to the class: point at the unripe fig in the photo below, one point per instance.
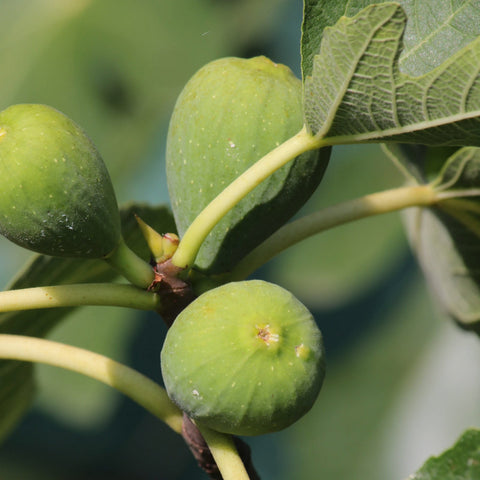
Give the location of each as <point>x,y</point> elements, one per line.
<point>230,114</point>
<point>245,358</point>
<point>57,197</point>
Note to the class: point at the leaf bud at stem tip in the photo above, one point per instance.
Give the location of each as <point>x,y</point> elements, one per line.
<point>162,246</point>
<point>152,237</point>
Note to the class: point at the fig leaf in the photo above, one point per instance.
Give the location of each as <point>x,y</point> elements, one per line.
<point>357,93</point>
<point>446,238</point>
<point>461,461</point>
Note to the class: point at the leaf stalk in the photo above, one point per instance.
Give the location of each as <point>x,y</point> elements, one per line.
<point>332,216</point>
<point>133,384</point>
<point>207,219</point>
<point>75,295</point>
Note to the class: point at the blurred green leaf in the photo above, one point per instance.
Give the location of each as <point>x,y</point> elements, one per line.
<point>418,163</point>
<point>460,174</point>
<point>16,380</point>
<point>398,392</point>
<point>435,30</point>
<point>446,239</point>
<point>16,392</point>
<point>461,462</point>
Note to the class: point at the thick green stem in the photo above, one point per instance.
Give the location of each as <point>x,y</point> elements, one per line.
<point>139,388</point>
<point>225,454</point>
<point>294,232</point>
<point>105,294</point>
<point>238,189</point>
<point>132,267</point>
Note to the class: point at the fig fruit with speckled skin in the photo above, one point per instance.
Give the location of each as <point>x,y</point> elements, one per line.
<point>231,113</point>
<point>245,358</point>
<point>57,197</point>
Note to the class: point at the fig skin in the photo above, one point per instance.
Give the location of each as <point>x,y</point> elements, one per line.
<point>245,358</point>
<point>230,114</point>
<point>57,196</point>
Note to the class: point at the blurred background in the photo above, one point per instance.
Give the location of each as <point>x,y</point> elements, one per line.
<point>402,380</point>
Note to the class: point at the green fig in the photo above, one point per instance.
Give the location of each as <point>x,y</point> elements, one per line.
<point>230,114</point>
<point>245,358</point>
<point>57,197</point>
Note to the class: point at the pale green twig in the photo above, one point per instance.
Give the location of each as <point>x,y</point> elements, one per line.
<point>238,189</point>
<point>133,384</point>
<point>225,454</point>
<point>296,231</point>
<point>106,294</point>
<point>139,388</point>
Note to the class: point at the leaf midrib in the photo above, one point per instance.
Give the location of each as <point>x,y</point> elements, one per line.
<point>382,135</point>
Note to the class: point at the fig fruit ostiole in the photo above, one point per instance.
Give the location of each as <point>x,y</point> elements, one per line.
<point>230,114</point>
<point>245,358</point>
<point>57,197</point>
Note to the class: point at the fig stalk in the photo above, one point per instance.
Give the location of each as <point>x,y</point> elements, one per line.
<point>131,266</point>
<point>209,217</point>
<point>225,454</point>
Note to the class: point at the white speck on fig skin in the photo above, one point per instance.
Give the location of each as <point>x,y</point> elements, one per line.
<point>301,351</point>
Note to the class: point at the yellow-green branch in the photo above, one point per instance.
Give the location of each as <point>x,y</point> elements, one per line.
<point>225,454</point>
<point>296,231</point>
<point>238,189</point>
<point>133,384</point>
<point>139,388</point>
<point>75,295</point>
